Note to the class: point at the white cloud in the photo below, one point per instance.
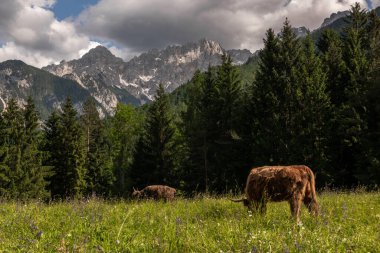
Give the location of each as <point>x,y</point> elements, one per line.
<point>32,34</point>
<point>143,24</point>
<point>375,3</point>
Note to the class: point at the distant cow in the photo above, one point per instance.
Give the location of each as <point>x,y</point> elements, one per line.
<point>294,184</point>
<point>156,192</point>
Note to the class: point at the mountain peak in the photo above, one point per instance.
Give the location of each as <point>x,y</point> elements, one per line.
<point>100,55</point>
<point>334,16</point>
<point>99,51</point>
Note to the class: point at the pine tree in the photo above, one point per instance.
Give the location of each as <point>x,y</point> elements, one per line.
<point>14,136</point>
<point>289,103</point>
<point>331,48</point>
<point>313,113</point>
<point>276,99</point>
<point>197,131</point>
<point>99,177</point>
<point>210,129</point>
<point>53,152</point>
<point>66,153</point>
<point>5,171</point>
<point>372,137</point>
<point>264,104</point>
<point>124,130</point>
<point>226,150</point>
<point>351,113</point>
<point>35,185</point>
<point>155,162</point>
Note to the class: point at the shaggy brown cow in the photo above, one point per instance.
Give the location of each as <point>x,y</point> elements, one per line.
<point>294,184</point>
<point>156,192</point>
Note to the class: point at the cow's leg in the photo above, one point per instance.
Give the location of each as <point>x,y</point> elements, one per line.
<point>263,207</point>
<point>311,205</point>
<point>295,206</point>
<point>308,203</point>
<point>255,205</point>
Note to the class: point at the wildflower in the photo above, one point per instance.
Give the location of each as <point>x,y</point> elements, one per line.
<point>254,249</point>
<point>39,234</point>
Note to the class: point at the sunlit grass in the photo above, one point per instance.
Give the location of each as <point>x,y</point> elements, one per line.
<point>349,222</point>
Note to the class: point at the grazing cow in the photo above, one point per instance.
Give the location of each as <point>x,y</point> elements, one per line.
<point>155,192</point>
<point>294,184</point>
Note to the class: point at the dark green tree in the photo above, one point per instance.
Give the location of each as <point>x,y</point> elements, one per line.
<point>331,48</point>
<point>64,142</point>
<point>289,103</point>
<point>198,132</point>
<point>124,130</point>
<point>210,129</point>
<point>52,151</point>
<point>98,163</point>
<point>350,122</point>
<point>14,136</point>
<point>5,171</point>
<point>227,171</point>
<point>275,100</point>
<point>314,112</point>
<point>155,160</point>
<point>35,185</point>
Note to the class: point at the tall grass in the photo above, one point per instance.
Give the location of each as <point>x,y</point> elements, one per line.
<point>349,222</point>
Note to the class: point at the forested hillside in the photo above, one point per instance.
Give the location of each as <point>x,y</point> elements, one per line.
<point>300,102</point>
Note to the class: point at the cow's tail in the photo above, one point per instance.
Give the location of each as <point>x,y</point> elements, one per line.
<point>312,189</point>
<point>244,200</point>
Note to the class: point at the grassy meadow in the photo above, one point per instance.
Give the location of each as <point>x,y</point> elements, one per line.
<point>349,222</point>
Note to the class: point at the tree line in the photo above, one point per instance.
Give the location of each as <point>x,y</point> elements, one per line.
<point>309,103</point>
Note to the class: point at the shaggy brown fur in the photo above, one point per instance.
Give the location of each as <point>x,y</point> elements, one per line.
<point>155,192</point>
<point>294,184</point>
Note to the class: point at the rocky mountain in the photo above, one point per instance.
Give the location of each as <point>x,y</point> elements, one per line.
<point>333,17</point>
<point>19,80</point>
<point>110,80</point>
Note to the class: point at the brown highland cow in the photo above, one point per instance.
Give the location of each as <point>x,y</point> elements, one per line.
<point>294,184</point>
<point>156,192</point>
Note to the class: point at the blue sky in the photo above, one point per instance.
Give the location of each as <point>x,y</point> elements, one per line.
<point>68,8</point>
<point>369,4</point>
<point>42,32</point>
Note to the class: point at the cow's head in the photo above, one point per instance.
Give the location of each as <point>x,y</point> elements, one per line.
<point>136,193</point>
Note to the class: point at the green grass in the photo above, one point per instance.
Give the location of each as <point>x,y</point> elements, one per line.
<point>349,222</point>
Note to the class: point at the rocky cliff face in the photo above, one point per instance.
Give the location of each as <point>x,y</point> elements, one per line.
<point>19,80</point>
<point>111,80</point>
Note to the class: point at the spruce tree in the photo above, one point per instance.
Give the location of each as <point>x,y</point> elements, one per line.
<point>289,103</point>
<point>276,99</point>
<point>331,48</point>
<point>227,169</point>
<point>14,137</point>
<point>31,163</point>
<point>124,130</point>
<point>99,177</point>
<point>155,161</point>
<point>66,153</point>
<point>313,113</point>
<point>264,104</point>
<point>5,171</point>
<point>351,114</point>
<point>53,152</point>
<point>198,132</point>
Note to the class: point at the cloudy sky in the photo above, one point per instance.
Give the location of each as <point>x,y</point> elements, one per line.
<point>42,32</point>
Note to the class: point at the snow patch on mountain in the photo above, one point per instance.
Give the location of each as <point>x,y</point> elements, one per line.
<point>145,78</point>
